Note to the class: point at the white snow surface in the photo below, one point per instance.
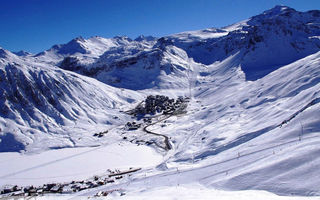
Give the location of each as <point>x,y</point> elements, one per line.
<point>252,122</point>
<point>194,191</point>
<point>73,164</point>
<point>188,192</point>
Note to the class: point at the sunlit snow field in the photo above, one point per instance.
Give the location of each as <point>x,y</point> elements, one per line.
<point>72,164</point>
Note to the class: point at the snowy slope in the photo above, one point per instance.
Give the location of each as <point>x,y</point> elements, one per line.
<point>40,101</point>
<point>86,50</point>
<point>264,42</point>
<point>262,132</point>
<point>265,136</point>
<point>251,124</point>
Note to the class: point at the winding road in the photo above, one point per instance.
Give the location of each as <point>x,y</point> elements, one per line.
<point>180,110</point>
<point>168,146</point>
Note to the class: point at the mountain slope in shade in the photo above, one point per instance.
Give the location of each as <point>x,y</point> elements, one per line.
<point>263,43</point>
<point>40,101</point>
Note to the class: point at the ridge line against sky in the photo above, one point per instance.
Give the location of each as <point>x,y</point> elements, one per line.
<point>36,25</point>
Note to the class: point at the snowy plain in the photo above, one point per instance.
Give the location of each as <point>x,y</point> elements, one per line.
<point>73,164</point>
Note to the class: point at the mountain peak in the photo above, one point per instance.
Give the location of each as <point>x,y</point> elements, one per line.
<point>22,53</point>
<point>78,39</point>
<point>74,46</point>
<point>126,38</point>
<point>3,53</point>
<point>145,38</point>
<point>277,10</point>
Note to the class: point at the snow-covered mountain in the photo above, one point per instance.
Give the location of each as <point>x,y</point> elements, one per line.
<point>86,50</point>
<point>22,53</point>
<point>252,117</point>
<point>40,101</point>
<point>263,43</point>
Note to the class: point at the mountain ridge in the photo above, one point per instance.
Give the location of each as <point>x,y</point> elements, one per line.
<point>254,37</point>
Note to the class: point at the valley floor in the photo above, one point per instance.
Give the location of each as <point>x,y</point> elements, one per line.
<point>72,164</point>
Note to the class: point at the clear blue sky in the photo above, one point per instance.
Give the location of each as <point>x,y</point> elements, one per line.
<point>36,25</point>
